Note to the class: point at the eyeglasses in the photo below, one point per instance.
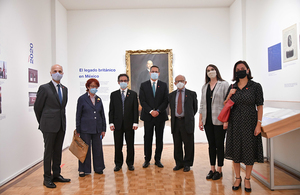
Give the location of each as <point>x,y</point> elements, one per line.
<point>123,81</point>
<point>93,86</point>
<point>182,81</point>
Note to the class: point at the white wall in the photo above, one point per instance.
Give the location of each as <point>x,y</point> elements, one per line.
<point>99,39</point>
<point>22,23</point>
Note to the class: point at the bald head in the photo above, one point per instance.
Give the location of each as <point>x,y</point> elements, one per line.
<point>180,78</point>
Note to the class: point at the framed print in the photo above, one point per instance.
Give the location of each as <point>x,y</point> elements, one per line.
<point>289,43</point>
<point>139,62</point>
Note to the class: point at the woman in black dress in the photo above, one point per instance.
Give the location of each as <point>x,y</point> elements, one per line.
<point>243,142</point>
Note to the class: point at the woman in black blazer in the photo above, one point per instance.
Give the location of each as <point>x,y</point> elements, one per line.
<point>91,126</point>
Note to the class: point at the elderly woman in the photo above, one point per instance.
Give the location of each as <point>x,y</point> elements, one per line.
<point>213,95</point>
<point>243,142</point>
<point>91,126</point>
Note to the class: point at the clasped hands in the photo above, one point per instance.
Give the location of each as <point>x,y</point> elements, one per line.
<point>154,113</point>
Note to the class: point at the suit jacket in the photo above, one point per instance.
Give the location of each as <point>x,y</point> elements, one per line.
<point>149,102</point>
<point>217,101</point>
<point>131,113</point>
<point>90,118</point>
<point>50,114</point>
<point>190,109</point>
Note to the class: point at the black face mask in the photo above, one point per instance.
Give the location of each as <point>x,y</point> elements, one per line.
<point>241,74</point>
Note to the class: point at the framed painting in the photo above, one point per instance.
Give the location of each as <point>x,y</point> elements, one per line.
<point>139,62</point>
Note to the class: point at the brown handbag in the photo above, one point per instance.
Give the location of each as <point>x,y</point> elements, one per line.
<point>78,147</point>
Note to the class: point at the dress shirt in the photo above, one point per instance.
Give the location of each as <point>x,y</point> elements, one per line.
<point>92,98</point>
<point>55,85</point>
<point>176,102</point>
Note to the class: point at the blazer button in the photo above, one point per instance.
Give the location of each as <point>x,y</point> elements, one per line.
<point>95,117</point>
<point>95,112</point>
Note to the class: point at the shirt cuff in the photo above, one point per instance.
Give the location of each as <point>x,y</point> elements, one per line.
<point>150,111</point>
<point>111,124</point>
<point>135,124</point>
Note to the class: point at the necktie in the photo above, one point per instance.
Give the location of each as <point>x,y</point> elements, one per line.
<point>59,93</point>
<point>179,103</point>
<point>153,89</point>
<point>123,99</point>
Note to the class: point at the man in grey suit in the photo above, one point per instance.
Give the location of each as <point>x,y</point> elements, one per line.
<point>183,105</point>
<point>49,108</point>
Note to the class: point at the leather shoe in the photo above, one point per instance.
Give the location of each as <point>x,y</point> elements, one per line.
<point>146,164</point>
<point>117,168</point>
<point>130,167</point>
<point>158,163</point>
<point>49,184</point>
<point>210,174</point>
<point>186,169</point>
<point>60,179</point>
<point>177,167</point>
<point>99,172</point>
<point>217,175</point>
<point>81,174</point>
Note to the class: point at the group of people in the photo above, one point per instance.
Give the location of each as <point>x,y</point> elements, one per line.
<point>243,141</point>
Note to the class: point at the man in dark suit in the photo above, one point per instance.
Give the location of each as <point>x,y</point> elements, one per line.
<point>183,105</point>
<point>154,100</point>
<point>49,108</point>
<point>123,119</point>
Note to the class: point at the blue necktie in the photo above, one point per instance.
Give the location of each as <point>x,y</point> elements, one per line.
<point>123,99</point>
<point>59,94</point>
<point>153,89</point>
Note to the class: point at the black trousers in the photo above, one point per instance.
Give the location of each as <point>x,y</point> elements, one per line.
<point>118,139</point>
<point>94,141</point>
<point>149,128</point>
<point>52,153</point>
<point>180,136</point>
<point>215,135</point>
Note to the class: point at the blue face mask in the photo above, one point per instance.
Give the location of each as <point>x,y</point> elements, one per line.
<point>93,90</point>
<point>123,85</point>
<point>154,76</point>
<point>57,76</point>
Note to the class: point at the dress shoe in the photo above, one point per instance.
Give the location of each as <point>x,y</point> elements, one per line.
<point>158,163</point>
<point>130,167</point>
<point>210,174</point>
<point>117,168</point>
<point>237,187</point>
<point>99,172</point>
<point>186,169</point>
<point>81,174</point>
<point>217,175</point>
<point>177,167</point>
<point>60,179</point>
<point>146,164</point>
<point>247,189</point>
<point>49,184</point>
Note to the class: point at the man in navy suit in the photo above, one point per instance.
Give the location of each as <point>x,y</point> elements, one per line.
<point>154,100</point>
<point>49,108</point>
<point>183,105</point>
<point>123,119</point>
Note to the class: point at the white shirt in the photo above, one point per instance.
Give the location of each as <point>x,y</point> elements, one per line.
<point>55,85</point>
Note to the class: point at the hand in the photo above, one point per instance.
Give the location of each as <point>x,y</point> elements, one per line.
<point>257,130</point>
<point>201,125</point>
<point>103,134</point>
<point>112,128</point>
<point>225,125</point>
<point>154,113</point>
<point>232,91</point>
<point>134,127</point>
<point>78,134</point>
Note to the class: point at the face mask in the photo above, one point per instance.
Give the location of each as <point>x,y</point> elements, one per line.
<point>180,85</point>
<point>57,76</point>
<point>241,74</point>
<point>212,74</point>
<point>93,90</point>
<point>123,85</point>
<point>154,76</point>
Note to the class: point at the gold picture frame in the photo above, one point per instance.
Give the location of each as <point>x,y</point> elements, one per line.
<point>136,66</point>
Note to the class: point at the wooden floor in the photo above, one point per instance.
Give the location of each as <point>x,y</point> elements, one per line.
<point>152,180</point>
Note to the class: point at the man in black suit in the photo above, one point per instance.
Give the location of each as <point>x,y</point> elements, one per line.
<point>49,108</point>
<point>123,119</point>
<point>154,100</point>
<point>183,105</point>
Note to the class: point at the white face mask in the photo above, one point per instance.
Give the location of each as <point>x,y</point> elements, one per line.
<point>212,74</point>
<point>180,85</point>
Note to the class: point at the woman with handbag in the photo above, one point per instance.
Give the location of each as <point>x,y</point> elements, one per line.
<point>213,95</point>
<point>91,126</point>
<point>243,141</point>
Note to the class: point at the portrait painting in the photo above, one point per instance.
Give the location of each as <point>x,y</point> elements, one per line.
<point>139,62</point>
